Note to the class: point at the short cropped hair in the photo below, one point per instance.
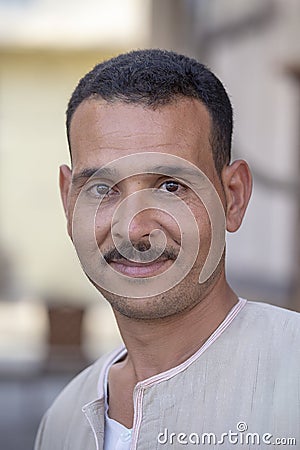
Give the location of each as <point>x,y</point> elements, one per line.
<point>154,78</point>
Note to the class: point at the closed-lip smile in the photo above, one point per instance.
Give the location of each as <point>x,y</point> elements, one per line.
<point>141,269</point>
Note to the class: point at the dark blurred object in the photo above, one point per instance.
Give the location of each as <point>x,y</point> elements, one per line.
<point>65,338</point>
<point>294,71</point>
<point>7,284</point>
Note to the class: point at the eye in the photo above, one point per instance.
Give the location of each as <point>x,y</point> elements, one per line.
<point>100,190</point>
<point>170,186</point>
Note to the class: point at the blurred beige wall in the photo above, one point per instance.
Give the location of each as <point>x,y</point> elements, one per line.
<point>34,91</point>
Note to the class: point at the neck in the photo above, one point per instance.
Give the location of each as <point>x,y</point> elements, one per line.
<point>155,346</point>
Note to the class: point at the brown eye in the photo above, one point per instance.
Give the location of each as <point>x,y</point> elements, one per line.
<point>170,186</point>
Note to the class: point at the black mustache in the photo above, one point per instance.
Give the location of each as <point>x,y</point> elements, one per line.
<point>128,250</point>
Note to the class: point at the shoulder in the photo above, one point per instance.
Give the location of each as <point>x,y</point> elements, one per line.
<point>80,390</point>
<point>66,408</point>
<point>65,413</point>
<point>269,326</point>
<point>271,315</point>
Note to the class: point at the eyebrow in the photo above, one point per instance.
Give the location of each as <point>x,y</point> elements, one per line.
<point>176,170</point>
<point>87,173</point>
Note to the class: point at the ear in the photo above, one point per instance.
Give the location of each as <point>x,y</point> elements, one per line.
<point>237,183</point>
<point>65,178</point>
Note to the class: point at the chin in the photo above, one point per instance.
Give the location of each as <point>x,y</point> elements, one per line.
<point>168,304</point>
<point>179,299</point>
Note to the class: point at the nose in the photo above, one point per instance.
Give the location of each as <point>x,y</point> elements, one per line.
<point>135,220</point>
<point>142,224</point>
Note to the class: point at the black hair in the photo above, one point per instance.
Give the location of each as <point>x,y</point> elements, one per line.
<point>154,78</point>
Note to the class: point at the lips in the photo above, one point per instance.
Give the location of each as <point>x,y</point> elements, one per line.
<point>140,270</point>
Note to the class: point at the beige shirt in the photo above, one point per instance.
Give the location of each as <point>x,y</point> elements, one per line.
<point>240,390</point>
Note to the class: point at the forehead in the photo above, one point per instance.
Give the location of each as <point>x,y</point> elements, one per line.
<point>101,132</point>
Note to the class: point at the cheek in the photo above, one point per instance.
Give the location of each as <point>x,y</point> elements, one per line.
<point>203,224</point>
<point>203,221</point>
<point>103,222</point>
<point>169,224</point>
<point>87,223</point>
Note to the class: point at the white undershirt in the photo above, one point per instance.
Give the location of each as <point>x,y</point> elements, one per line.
<point>116,435</point>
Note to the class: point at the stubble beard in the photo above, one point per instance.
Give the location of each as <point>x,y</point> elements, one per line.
<point>179,299</point>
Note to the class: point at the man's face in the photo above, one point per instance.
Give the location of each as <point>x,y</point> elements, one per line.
<point>120,136</point>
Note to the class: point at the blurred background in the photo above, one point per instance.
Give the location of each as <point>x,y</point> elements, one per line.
<point>52,322</point>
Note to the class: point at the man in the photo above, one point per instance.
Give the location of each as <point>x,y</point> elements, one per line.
<point>147,200</point>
